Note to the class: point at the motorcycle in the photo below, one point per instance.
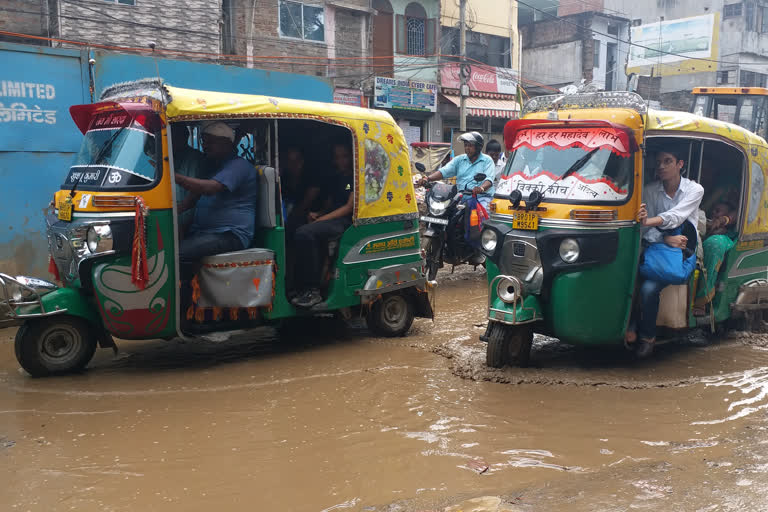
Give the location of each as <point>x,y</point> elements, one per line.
<point>443,239</point>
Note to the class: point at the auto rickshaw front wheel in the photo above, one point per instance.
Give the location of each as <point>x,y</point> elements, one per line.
<point>508,344</point>
<point>391,316</point>
<point>54,345</point>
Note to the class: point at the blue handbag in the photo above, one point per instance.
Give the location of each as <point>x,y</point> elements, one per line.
<point>668,265</point>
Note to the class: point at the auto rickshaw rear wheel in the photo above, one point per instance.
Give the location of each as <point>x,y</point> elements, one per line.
<point>508,344</point>
<point>54,345</point>
<point>391,316</point>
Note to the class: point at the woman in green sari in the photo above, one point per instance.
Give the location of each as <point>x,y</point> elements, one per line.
<point>717,244</point>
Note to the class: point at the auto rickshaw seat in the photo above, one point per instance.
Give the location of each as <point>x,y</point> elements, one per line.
<point>265,208</point>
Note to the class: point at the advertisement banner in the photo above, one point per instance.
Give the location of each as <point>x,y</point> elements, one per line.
<point>352,97</point>
<point>481,78</point>
<point>397,94</point>
<point>674,45</point>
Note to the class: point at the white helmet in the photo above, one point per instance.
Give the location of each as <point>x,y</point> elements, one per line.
<point>473,138</point>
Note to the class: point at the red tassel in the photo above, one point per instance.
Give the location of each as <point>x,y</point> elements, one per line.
<point>53,269</point>
<point>139,265</point>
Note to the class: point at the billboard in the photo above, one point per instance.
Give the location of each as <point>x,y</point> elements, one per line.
<point>481,78</point>
<point>675,46</point>
<point>397,94</point>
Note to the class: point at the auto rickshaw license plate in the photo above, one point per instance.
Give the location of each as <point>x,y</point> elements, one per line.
<point>526,220</point>
<point>65,211</point>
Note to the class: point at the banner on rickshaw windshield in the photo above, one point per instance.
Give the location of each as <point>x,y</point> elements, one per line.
<point>587,138</point>
<point>589,183</point>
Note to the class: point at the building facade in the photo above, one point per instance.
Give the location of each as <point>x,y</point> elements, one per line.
<point>590,46</point>
<point>493,54</point>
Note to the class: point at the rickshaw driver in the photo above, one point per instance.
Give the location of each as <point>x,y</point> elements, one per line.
<point>672,200</point>
<point>465,167</point>
<point>225,205</point>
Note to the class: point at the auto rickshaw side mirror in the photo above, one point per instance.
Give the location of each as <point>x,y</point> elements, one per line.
<point>420,167</point>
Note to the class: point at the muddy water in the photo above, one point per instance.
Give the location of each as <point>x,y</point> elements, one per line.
<point>335,420</point>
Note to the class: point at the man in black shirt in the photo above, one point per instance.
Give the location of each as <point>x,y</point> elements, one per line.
<point>313,237</point>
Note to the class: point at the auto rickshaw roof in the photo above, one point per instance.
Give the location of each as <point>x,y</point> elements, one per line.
<point>191,104</point>
<point>760,91</point>
<point>668,120</point>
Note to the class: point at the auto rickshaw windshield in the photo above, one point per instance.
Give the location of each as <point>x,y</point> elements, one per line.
<point>571,173</point>
<point>115,157</point>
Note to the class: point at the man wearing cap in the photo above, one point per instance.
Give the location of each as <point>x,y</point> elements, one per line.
<point>225,204</point>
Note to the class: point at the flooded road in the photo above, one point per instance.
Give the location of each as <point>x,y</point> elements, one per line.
<point>336,422</point>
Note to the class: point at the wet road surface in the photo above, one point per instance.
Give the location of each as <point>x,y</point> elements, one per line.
<point>337,420</point>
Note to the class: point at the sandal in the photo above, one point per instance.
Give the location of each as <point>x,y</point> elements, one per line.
<point>644,347</point>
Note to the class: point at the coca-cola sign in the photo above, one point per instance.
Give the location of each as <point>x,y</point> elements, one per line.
<point>482,78</point>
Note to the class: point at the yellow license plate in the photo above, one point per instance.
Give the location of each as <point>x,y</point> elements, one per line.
<point>65,211</point>
<point>526,220</point>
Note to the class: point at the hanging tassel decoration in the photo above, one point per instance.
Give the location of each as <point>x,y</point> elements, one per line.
<point>139,265</point>
<point>53,269</point>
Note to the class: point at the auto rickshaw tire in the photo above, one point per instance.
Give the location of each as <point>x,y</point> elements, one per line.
<point>33,346</point>
<point>508,345</point>
<point>495,354</point>
<point>391,316</point>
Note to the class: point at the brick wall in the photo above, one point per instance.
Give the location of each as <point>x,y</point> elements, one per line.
<point>190,25</point>
<point>24,17</point>
<point>579,6</point>
<point>256,33</point>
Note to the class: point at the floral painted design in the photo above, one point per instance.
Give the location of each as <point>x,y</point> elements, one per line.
<point>408,198</point>
<point>400,170</point>
<point>390,196</point>
<point>366,128</point>
<point>390,139</point>
<point>376,170</point>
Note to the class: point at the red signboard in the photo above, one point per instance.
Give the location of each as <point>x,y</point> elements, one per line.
<point>588,138</point>
<point>482,78</point>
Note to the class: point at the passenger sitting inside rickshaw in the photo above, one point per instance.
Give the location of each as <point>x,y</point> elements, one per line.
<point>225,205</point>
<point>671,201</point>
<point>323,226</point>
<point>720,238</point>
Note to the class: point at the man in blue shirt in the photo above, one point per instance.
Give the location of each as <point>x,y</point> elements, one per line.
<point>465,167</point>
<point>225,204</point>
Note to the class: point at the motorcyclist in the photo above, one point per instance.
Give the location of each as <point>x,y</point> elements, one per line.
<point>465,167</point>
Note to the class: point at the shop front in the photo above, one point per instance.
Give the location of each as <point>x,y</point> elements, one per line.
<point>492,101</point>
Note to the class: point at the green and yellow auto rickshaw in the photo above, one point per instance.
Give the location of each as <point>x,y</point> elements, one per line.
<point>562,241</point>
<point>113,228</point>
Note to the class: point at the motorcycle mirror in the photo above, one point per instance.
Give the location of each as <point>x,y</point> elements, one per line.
<point>420,167</point>
<point>480,177</point>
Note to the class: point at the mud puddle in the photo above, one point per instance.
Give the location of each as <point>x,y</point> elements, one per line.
<point>332,420</point>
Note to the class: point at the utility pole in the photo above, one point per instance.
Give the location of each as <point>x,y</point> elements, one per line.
<point>463,68</point>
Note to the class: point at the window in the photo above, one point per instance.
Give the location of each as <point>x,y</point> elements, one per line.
<point>726,77</point>
<point>764,21</point>
<point>613,30</point>
<point>301,21</point>
<point>731,10</point>
<point>416,34</point>
<point>123,2</point>
<point>597,53</point>
<point>752,79</point>
<point>637,22</point>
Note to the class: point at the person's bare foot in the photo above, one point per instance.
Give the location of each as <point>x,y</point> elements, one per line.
<point>630,337</point>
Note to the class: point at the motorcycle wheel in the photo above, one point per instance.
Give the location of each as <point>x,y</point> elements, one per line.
<point>431,259</point>
<point>509,345</point>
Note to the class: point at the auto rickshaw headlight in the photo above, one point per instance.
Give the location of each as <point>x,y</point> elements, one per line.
<point>99,239</point>
<point>507,290</point>
<point>569,250</point>
<point>488,240</point>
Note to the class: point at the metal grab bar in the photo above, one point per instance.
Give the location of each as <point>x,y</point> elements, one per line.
<point>13,305</point>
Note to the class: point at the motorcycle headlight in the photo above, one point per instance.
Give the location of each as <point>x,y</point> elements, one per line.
<point>507,290</point>
<point>99,239</point>
<point>569,250</point>
<point>438,207</point>
<point>488,240</point>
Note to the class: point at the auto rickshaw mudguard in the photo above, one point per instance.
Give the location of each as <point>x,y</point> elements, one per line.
<point>520,312</point>
<point>74,302</point>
